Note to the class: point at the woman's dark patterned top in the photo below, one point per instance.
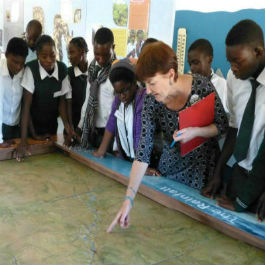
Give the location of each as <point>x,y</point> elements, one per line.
<point>197,167</point>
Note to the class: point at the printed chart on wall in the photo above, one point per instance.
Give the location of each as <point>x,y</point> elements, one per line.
<point>139,13</point>
<point>135,22</point>
<point>128,19</point>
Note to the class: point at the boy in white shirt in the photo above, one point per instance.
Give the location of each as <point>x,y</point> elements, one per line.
<point>200,57</point>
<point>245,182</point>
<point>99,92</point>
<point>33,32</point>
<point>11,72</point>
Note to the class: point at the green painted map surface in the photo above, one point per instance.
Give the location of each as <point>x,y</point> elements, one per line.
<point>54,210</point>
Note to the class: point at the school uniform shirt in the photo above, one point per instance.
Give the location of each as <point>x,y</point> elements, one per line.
<point>66,85</point>
<point>10,96</point>
<point>238,93</point>
<point>75,83</point>
<point>105,99</point>
<point>133,123</point>
<point>124,117</point>
<point>32,55</point>
<point>46,89</point>
<point>28,80</point>
<point>221,88</point>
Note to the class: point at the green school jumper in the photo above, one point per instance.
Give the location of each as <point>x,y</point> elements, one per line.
<point>45,107</point>
<point>78,84</point>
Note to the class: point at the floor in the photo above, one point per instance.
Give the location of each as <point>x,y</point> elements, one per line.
<point>54,210</point>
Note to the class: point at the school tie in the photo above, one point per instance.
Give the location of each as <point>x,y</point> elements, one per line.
<point>245,131</point>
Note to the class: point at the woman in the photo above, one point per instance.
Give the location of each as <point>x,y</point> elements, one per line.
<point>125,118</point>
<point>168,93</point>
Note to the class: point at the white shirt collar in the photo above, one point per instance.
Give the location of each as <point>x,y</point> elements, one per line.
<point>261,77</point>
<point>78,72</point>
<point>44,73</point>
<point>212,75</point>
<point>5,71</point>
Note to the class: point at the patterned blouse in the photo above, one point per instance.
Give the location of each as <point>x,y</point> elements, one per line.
<point>197,167</point>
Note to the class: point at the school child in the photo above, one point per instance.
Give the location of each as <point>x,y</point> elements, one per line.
<point>33,32</point>
<point>11,71</point>
<point>125,118</point>
<point>43,96</point>
<point>245,182</point>
<point>100,93</point>
<point>148,41</point>
<point>200,57</point>
<point>76,80</point>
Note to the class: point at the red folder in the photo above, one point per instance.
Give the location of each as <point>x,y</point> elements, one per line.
<point>198,115</point>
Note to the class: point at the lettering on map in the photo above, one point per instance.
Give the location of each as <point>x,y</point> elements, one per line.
<point>199,204</point>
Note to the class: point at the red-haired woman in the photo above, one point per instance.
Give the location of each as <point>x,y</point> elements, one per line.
<point>168,93</point>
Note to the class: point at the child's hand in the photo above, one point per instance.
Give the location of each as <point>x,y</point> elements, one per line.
<point>226,203</point>
<point>7,144</point>
<point>22,151</point>
<point>78,131</point>
<point>98,153</point>
<point>212,188</point>
<point>152,172</point>
<point>68,140</point>
<point>43,137</point>
<point>71,138</point>
<point>76,137</point>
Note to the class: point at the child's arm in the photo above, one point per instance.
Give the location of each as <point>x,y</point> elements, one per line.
<point>22,148</point>
<point>6,144</point>
<point>67,94</point>
<point>212,188</point>
<point>100,152</point>
<point>31,127</point>
<point>109,130</point>
<point>69,111</point>
<point>33,132</point>
<point>68,128</point>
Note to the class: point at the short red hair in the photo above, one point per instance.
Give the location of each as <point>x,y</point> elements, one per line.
<point>155,58</point>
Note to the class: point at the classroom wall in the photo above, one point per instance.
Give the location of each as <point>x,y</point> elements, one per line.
<point>162,23</point>
<point>93,15</point>
<point>52,8</point>
<point>213,26</point>
<point>12,20</point>
<point>1,26</point>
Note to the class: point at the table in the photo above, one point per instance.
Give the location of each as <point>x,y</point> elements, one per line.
<point>55,210</point>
